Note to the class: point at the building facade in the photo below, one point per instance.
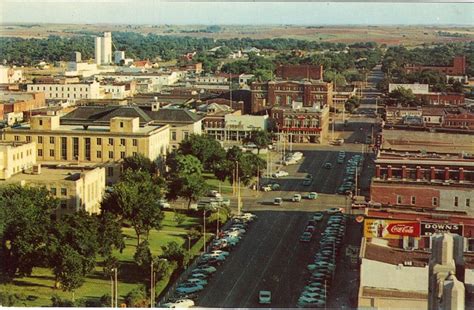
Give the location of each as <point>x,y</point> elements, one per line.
<point>299,72</point>
<point>308,94</point>
<point>103,49</point>
<point>234,127</point>
<point>72,91</point>
<point>458,67</point>
<point>16,157</point>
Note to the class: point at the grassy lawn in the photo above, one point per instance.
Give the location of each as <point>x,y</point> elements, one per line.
<point>213,182</point>
<point>40,284</point>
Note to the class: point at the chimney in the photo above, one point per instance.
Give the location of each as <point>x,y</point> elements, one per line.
<point>155,106</point>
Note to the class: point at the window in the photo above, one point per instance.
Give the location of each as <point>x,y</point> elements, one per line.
<point>173,135</point>
<point>99,141</point>
<point>135,142</point>
<point>468,202</point>
<point>122,142</point>
<point>41,122</point>
<point>134,154</point>
<point>40,152</point>
<point>87,146</point>
<point>122,154</point>
<point>111,141</point>
<point>413,200</point>
<point>53,191</point>
<point>63,191</point>
<point>51,153</point>
<point>186,135</point>
<point>75,147</point>
<point>51,140</point>
<point>111,154</point>
<point>99,154</point>
<point>456,201</point>
<point>121,124</point>
<point>17,138</point>
<point>28,138</point>
<point>434,201</point>
<point>399,199</point>
<point>63,148</point>
<point>110,171</point>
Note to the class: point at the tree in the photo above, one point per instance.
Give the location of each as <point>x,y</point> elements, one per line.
<point>139,162</point>
<point>143,256</point>
<point>457,87</point>
<point>137,298</point>
<point>174,252</point>
<point>135,199</point>
<point>162,268</point>
<point>402,95</point>
<point>72,249</point>
<point>250,166</point>
<point>25,219</point>
<point>109,234</point>
<point>260,138</point>
<point>205,148</point>
<point>190,187</point>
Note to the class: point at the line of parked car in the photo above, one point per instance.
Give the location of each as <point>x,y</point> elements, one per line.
<point>348,183</point>
<point>310,228</point>
<point>292,158</point>
<point>315,293</point>
<point>208,262</point>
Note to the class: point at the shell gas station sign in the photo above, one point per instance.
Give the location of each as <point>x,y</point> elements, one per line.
<point>391,229</point>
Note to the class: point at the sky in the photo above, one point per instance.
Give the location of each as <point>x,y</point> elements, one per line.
<point>246,12</point>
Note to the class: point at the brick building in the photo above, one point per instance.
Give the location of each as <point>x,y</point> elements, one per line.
<point>301,125</point>
<point>15,102</point>
<point>442,98</point>
<point>309,94</point>
<point>425,171</point>
<point>299,72</point>
<point>457,68</point>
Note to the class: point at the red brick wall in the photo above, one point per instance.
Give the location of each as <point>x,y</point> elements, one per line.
<point>299,72</point>
<point>447,98</point>
<point>458,67</point>
<point>387,194</point>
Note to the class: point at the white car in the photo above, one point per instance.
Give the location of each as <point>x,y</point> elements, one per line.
<point>180,303</point>
<point>265,297</point>
<point>219,252</point>
<point>214,193</point>
<point>296,198</point>
<point>278,201</point>
<point>280,174</point>
<point>164,204</point>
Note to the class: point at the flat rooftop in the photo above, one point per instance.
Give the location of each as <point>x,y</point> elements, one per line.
<point>50,173</point>
<point>90,129</point>
<point>5,97</point>
<point>433,142</point>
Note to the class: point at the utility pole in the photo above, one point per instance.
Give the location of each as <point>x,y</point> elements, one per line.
<point>204,230</point>
<point>218,217</point>
<point>152,284</point>
<point>116,288</point>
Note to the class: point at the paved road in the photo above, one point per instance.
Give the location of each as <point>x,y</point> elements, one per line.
<point>270,257</point>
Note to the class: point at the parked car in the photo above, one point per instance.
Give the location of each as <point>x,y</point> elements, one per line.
<point>264,297</point>
<point>333,210</point>
<point>180,303</point>
<point>189,288</point>
<point>296,198</point>
<point>266,188</point>
<point>163,204</point>
<point>280,174</point>
<point>306,236</point>
<point>214,193</point>
<point>312,195</point>
<point>318,216</point>
<point>278,201</point>
<point>307,182</point>
<point>328,165</point>
<point>196,281</point>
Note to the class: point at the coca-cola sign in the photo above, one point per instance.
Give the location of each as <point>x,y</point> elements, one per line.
<point>428,229</point>
<point>411,229</point>
<point>390,229</point>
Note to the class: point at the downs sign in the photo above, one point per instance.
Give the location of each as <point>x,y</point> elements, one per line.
<point>428,229</point>
<point>390,229</point>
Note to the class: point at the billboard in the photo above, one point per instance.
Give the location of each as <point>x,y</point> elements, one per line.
<point>428,229</point>
<point>390,229</point>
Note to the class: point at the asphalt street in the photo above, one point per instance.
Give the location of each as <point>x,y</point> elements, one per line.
<point>270,257</point>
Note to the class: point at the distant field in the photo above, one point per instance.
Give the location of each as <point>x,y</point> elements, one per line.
<point>390,35</point>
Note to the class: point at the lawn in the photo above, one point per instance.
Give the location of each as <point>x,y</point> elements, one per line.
<point>213,182</point>
<point>39,286</point>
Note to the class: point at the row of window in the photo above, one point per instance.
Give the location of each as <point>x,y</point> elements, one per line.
<point>20,155</point>
<point>52,140</point>
<point>44,88</point>
<point>99,154</point>
<point>434,201</point>
<point>54,192</point>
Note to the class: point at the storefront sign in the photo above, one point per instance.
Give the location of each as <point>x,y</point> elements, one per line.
<point>428,229</point>
<point>390,229</point>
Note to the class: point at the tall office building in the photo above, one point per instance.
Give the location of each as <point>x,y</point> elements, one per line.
<point>103,49</point>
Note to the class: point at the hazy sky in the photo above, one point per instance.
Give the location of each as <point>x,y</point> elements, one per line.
<point>218,12</point>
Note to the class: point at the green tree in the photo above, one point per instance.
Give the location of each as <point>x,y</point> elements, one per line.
<point>205,148</point>
<point>260,138</point>
<point>139,162</point>
<point>135,199</point>
<point>25,219</point>
<point>142,256</point>
<point>162,268</point>
<point>175,253</point>
<point>403,96</point>
<point>109,234</point>
<point>137,298</point>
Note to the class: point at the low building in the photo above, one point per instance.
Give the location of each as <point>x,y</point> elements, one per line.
<point>341,96</point>
<point>92,137</point>
<point>19,102</point>
<point>458,67</point>
<point>301,125</point>
<point>299,72</point>
<point>16,157</point>
<point>10,75</point>
<point>235,127</point>
<point>78,187</point>
<point>69,91</point>
<point>154,81</point>
<point>438,98</point>
<point>244,79</point>
<point>415,88</point>
<point>193,68</point>
<point>118,90</point>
